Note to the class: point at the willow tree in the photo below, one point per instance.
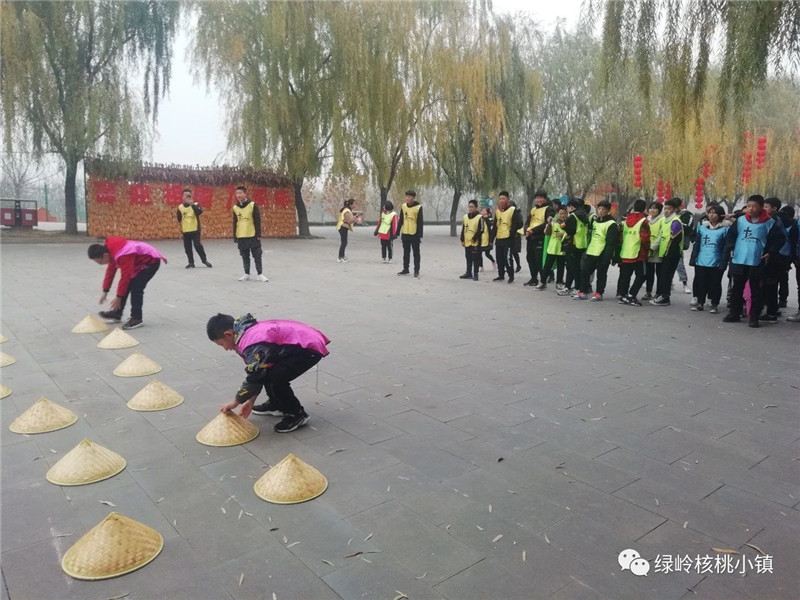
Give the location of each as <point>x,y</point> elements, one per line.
<point>466,120</point>
<point>755,38</point>
<point>275,66</point>
<point>393,50</point>
<point>66,78</point>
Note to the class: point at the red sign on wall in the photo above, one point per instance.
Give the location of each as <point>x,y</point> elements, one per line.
<point>173,194</point>
<point>283,198</point>
<point>104,192</point>
<point>139,194</point>
<point>203,196</point>
<point>259,196</point>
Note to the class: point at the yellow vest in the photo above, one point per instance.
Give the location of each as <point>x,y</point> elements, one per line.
<point>503,220</point>
<point>471,226</point>
<point>666,234</point>
<point>340,220</point>
<point>485,236</point>
<point>632,240</point>
<point>410,214</point>
<point>598,242</point>
<point>386,222</point>
<point>556,239</point>
<point>537,217</point>
<point>245,227</point>
<point>188,219</point>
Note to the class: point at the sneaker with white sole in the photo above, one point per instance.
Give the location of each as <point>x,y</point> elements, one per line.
<point>292,422</point>
<point>245,277</point>
<point>647,296</point>
<point>714,310</point>
<point>686,289</point>
<point>565,291</point>
<point>693,302</point>
<point>269,409</point>
<point>596,297</point>
<point>262,277</point>
<point>133,324</point>
<point>697,308</point>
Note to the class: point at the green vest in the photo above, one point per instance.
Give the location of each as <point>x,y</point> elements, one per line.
<point>655,234</point>
<point>666,234</point>
<point>188,218</point>
<point>245,228</point>
<point>631,240</point>
<point>471,227</point>
<point>556,238</point>
<point>579,239</point>
<point>386,222</point>
<point>598,241</point>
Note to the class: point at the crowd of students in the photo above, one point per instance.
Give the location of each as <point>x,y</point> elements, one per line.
<point>757,246</point>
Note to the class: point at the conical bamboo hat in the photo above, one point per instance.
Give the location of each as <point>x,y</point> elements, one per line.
<point>6,359</point>
<point>90,324</point>
<point>137,365</point>
<point>227,430</point>
<point>117,340</point>
<point>43,416</point>
<point>85,463</point>
<point>155,396</point>
<point>4,391</point>
<point>290,481</point>
<point>3,338</point>
<point>115,546</point>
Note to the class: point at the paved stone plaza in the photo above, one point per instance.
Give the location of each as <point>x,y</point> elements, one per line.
<point>481,440</point>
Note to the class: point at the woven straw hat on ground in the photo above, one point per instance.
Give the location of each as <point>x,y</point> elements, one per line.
<point>137,365</point>
<point>90,324</point>
<point>155,396</point>
<point>85,463</point>
<point>6,359</point>
<point>43,416</point>
<point>4,391</point>
<point>227,430</point>
<point>290,481</point>
<point>3,338</point>
<point>115,546</point>
<point>117,340</point>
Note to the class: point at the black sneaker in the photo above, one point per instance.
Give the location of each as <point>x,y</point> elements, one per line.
<point>498,279</point>
<point>292,422</point>
<point>540,287</point>
<point>768,318</point>
<point>660,301</point>
<point>416,273</point>
<point>206,263</point>
<point>518,269</point>
<point>531,282</point>
<point>623,300</point>
<point>111,315</point>
<point>465,276</point>
<point>754,324</point>
<point>189,266</point>
<point>269,409</point>
<point>133,324</point>
<point>732,318</point>
<point>404,272</point>
<point>510,280</point>
<point>475,277</point>
<point>633,301</point>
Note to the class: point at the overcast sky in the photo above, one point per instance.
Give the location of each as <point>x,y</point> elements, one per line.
<point>191,129</point>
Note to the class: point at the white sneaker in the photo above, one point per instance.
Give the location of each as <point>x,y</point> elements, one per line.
<point>388,262</point>
<point>384,261</point>
<point>345,259</point>
<point>693,302</point>
<point>339,260</point>
<point>245,277</point>
<point>262,277</point>
<point>686,289</point>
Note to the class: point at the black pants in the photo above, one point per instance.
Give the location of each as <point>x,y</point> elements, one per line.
<point>559,260</point>
<point>588,265</point>
<point>473,256</point>
<point>534,253</point>
<point>410,243</point>
<point>741,275</point>
<point>193,237</point>
<point>573,263</point>
<point>707,284</point>
<point>503,251</point>
<point>343,237</point>
<point>386,248</point>
<point>248,246</point>
<point>783,287</point>
<point>136,290</point>
<point>486,251</point>
<point>279,377</point>
<point>624,287</point>
<point>650,270</point>
<point>666,272</point>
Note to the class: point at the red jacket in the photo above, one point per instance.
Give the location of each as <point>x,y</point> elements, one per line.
<point>130,265</point>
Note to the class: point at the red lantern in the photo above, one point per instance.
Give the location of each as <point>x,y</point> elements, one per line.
<point>637,171</point>
<point>699,186</point>
<point>668,191</point>
<point>761,152</point>
<point>706,169</point>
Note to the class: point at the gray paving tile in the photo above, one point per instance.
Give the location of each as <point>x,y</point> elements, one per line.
<point>382,577</point>
<point>487,579</point>
<point>427,428</point>
<point>428,458</point>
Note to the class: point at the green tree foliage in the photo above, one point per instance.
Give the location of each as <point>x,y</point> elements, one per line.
<point>66,78</point>
<point>754,38</point>
<point>275,66</point>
